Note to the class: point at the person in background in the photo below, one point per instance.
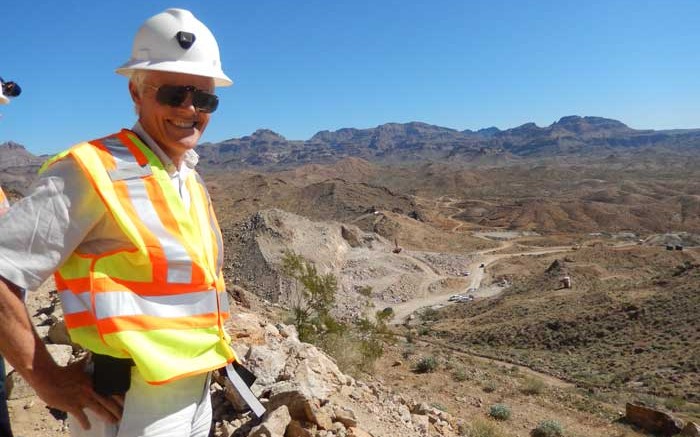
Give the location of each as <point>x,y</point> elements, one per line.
<point>4,202</point>
<point>127,226</point>
<point>10,89</point>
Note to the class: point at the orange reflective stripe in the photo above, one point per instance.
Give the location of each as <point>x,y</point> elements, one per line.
<point>79,320</point>
<point>4,203</point>
<point>129,142</point>
<point>155,250</point>
<point>107,284</point>
<point>145,323</point>
<point>183,268</point>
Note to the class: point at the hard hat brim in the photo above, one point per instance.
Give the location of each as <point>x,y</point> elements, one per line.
<point>220,79</point>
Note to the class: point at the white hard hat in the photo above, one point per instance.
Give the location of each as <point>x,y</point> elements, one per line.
<point>176,41</point>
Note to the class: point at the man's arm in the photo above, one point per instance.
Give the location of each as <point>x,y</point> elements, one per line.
<point>66,388</point>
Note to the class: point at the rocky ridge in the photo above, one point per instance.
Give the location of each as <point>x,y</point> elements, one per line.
<point>304,392</point>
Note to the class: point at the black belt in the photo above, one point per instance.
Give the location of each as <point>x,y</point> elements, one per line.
<point>112,376</point>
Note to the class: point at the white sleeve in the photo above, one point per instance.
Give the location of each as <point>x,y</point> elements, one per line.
<point>40,231</point>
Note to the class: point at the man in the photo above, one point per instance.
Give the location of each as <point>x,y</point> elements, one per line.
<point>128,227</point>
<point>10,89</point>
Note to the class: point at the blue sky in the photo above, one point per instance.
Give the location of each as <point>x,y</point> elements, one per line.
<point>309,65</point>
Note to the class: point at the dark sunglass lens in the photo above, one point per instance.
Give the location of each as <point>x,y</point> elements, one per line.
<point>205,102</point>
<point>172,95</point>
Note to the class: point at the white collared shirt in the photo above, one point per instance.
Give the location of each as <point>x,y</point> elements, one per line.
<point>178,176</point>
<point>64,214</point>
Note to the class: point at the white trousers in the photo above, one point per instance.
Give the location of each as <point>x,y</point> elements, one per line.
<point>178,409</point>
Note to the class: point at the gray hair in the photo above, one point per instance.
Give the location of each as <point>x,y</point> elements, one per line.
<point>138,79</point>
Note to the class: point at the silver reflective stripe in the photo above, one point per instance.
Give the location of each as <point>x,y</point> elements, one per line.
<point>131,172</point>
<point>245,392</point>
<point>75,303</point>
<point>127,166</point>
<point>223,298</point>
<point>179,262</point>
<point>214,228</point>
<point>125,303</point>
<point>219,244</point>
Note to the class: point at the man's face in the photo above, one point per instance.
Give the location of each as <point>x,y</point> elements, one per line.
<point>175,129</point>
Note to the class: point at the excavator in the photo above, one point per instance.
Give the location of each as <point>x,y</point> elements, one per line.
<point>397,248</point>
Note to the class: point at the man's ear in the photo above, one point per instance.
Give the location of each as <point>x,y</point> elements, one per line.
<point>136,98</point>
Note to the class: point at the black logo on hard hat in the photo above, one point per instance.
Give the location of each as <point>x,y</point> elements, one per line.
<point>9,88</point>
<point>185,39</point>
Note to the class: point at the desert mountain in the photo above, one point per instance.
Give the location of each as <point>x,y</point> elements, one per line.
<point>394,143</point>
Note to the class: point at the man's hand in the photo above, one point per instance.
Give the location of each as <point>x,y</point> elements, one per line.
<point>70,389</point>
<point>66,388</point>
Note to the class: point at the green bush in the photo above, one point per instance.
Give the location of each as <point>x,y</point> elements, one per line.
<point>675,403</point>
<point>533,386</point>
<point>429,314</point>
<point>489,387</point>
<point>426,365</point>
<point>365,290</point>
<point>500,412</point>
<point>548,428</point>
<point>460,374</point>
<point>481,428</point>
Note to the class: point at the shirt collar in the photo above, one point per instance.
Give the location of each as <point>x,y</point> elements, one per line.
<point>189,161</point>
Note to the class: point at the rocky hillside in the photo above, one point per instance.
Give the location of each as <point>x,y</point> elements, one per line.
<point>627,324</point>
<point>357,258</point>
<point>304,392</point>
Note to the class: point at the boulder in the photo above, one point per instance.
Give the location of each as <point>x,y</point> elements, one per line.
<point>345,416</point>
<point>652,420</point>
<point>691,429</point>
<point>274,424</point>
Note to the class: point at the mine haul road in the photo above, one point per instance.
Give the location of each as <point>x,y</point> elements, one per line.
<point>476,275</point>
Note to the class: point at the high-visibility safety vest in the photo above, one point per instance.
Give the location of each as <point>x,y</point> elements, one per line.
<point>163,301</point>
<point>4,203</point>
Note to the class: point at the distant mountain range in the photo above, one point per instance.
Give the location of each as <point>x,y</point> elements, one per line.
<point>394,143</point>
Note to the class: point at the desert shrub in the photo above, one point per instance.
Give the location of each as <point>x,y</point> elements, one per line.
<point>500,412</point>
<point>438,406</point>
<point>410,337</point>
<point>482,428</point>
<point>365,290</point>
<point>313,295</point>
<point>674,404</point>
<point>533,386</point>
<point>429,314</point>
<point>548,428</point>
<point>354,346</point>
<point>426,365</point>
<point>423,330</point>
<point>460,374</point>
<point>489,387</point>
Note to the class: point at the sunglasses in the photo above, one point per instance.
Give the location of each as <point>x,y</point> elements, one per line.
<point>175,95</point>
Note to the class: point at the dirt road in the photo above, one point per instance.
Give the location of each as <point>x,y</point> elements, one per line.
<point>403,310</point>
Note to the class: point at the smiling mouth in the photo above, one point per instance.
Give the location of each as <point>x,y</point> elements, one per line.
<point>183,124</point>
